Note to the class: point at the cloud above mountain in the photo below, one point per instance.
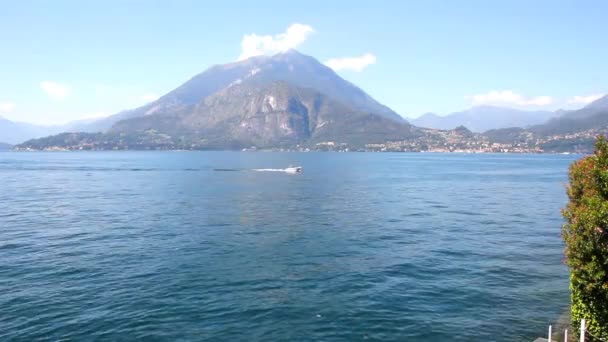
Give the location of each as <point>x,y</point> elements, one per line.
<point>55,90</point>
<point>512,99</point>
<point>584,99</point>
<point>255,45</point>
<point>352,63</point>
<point>6,107</point>
<point>509,98</point>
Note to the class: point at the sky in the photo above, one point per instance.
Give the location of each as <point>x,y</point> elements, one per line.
<point>69,60</point>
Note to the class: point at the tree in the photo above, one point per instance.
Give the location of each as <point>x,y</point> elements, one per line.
<point>586,237</point>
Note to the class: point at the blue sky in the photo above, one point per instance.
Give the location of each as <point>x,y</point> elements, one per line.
<point>66,60</point>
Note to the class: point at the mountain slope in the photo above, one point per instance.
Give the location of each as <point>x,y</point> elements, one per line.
<point>293,67</point>
<point>286,100</point>
<point>16,132</point>
<point>266,114</point>
<point>592,116</point>
<point>599,104</point>
<point>574,131</point>
<point>483,118</point>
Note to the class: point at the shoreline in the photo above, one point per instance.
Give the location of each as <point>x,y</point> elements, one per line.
<point>291,151</point>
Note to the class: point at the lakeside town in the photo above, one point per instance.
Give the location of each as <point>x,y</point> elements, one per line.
<point>459,140</point>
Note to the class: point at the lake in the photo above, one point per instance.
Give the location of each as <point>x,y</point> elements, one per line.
<point>193,246</point>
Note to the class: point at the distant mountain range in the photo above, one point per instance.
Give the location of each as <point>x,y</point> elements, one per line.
<point>483,118</point>
<point>574,131</point>
<point>5,146</point>
<point>16,132</point>
<point>592,116</point>
<point>291,100</point>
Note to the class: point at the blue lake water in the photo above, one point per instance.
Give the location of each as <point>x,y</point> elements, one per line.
<point>162,246</point>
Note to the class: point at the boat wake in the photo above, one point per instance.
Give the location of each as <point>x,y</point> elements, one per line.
<point>291,169</point>
<point>296,169</point>
<point>269,170</point>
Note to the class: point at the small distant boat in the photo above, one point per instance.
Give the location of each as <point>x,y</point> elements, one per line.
<point>293,169</point>
<point>290,169</point>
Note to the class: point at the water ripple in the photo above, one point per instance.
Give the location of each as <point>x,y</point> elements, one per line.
<point>392,247</point>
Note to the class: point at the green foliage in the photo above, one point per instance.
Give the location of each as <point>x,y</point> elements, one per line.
<point>586,237</point>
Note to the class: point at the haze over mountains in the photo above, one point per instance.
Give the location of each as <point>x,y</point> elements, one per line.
<point>592,116</point>
<point>483,118</point>
<point>14,132</point>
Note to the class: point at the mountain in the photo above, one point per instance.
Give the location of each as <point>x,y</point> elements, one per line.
<point>599,104</point>
<point>16,132</point>
<point>292,101</point>
<point>5,146</point>
<point>592,116</point>
<point>483,118</point>
<point>573,131</point>
<point>268,101</point>
<point>267,114</point>
<point>292,67</point>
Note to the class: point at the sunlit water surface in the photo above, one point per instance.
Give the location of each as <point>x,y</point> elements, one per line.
<point>192,246</point>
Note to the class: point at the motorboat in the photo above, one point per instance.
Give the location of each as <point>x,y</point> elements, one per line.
<point>290,169</point>
<point>293,169</point>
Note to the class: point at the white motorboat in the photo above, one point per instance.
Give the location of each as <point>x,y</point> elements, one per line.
<point>294,169</point>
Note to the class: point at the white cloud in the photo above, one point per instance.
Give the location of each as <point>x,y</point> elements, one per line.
<point>6,107</point>
<point>149,97</point>
<point>255,45</point>
<point>585,99</point>
<point>55,90</point>
<point>352,63</point>
<point>509,98</point>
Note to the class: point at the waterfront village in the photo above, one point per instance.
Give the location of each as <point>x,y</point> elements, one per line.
<point>463,141</point>
<point>459,140</point>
